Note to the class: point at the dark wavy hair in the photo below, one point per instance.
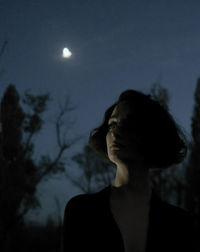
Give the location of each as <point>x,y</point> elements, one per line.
<point>163,141</point>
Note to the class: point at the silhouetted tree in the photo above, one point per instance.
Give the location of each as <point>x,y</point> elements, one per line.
<point>95,171</point>
<point>19,173</point>
<point>192,196</point>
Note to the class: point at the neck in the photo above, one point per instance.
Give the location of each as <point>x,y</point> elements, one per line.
<point>132,179</point>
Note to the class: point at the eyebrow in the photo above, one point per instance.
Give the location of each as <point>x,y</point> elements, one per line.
<point>112,117</point>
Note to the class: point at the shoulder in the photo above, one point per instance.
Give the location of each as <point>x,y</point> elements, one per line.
<point>171,214</point>
<point>171,225</point>
<point>175,211</point>
<point>162,205</point>
<point>85,202</point>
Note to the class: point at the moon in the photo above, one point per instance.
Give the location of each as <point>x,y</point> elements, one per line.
<point>66,53</point>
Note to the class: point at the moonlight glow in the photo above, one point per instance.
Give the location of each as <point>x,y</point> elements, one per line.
<point>66,53</point>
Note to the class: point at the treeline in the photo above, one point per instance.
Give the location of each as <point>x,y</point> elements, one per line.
<point>35,237</point>
<point>21,118</point>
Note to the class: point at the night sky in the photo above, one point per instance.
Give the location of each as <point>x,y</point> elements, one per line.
<point>115,45</point>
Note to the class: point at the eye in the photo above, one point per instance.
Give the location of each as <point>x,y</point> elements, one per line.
<point>111,125</point>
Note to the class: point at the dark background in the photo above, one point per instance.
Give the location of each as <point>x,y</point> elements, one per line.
<point>115,45</point>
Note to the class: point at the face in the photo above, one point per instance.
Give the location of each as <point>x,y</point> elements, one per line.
<point>122,141</point>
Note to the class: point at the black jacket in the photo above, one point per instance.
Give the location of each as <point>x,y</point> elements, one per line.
<point>89,226</point>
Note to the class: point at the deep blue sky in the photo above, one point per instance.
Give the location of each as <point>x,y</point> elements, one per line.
<point>115,45</point>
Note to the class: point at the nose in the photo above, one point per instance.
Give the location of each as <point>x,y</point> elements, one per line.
<point>115,134</point>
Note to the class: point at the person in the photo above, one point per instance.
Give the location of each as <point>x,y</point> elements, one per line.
<point>139,136</point>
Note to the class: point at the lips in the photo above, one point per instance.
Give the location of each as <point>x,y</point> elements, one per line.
<point>116,144</point>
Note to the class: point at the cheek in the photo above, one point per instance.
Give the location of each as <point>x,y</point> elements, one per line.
<point>107,144</point>
<point>107,139</point>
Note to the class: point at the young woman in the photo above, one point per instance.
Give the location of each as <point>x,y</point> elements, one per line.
<point>138,135</point>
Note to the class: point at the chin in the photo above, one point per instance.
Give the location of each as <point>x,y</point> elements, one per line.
<point>117,156</point>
